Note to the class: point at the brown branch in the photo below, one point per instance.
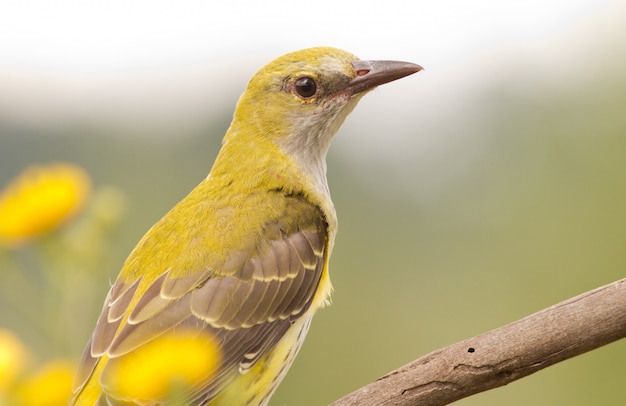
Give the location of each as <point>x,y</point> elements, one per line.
<point>503,355</point>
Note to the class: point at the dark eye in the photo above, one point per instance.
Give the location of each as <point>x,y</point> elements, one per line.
<point>306,87</point>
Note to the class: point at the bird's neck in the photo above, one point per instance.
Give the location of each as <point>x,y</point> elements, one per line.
<point>256,162</point>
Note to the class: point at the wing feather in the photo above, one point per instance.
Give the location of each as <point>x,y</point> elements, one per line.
<point>115,305</point>
<point>131,336</point>
<point>302,247</point>
<point>151,303</point>
<point>176,287</point>
<point>247,303</point>
<point>287,304</point>
<point>121,296</point>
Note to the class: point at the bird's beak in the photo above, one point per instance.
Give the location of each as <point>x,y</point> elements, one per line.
<point>370,74</point>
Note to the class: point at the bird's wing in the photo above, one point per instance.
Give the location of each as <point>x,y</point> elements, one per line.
<point>248,311</point>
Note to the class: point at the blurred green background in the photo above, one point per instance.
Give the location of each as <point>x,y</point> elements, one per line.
<point>499,199</point>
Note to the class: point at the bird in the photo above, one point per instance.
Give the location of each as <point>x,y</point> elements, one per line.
<point>244,257</point>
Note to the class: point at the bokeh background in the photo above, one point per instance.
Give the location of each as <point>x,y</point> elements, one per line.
<point>485,188</point>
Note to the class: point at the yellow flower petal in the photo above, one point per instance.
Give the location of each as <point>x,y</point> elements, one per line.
<point>51,385</point>
<point>13,359</point>
<point>39,200</point>
<point>167,365</point>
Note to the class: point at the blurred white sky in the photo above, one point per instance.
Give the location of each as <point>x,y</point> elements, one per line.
<point>85,37</point>
<point>174,61</point>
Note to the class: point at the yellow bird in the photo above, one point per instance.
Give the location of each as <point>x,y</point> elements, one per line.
<point>243,259</point>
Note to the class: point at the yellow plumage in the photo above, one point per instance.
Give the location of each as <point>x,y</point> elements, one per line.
<point>243,259</point>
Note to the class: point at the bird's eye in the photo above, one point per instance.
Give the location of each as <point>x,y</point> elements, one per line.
<point>306,87</point>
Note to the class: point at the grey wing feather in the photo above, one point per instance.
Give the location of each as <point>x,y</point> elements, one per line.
<point>248,309</point>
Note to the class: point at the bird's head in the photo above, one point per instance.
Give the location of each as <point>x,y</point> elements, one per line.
<point>299,100</point>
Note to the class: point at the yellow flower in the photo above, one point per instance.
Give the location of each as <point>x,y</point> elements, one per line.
<point>39,200</point>
<point>164,367</point>
<point>51,385</point>
<point>13,359</point>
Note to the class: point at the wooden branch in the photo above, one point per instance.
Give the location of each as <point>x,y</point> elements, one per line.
<point>503,355</point>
